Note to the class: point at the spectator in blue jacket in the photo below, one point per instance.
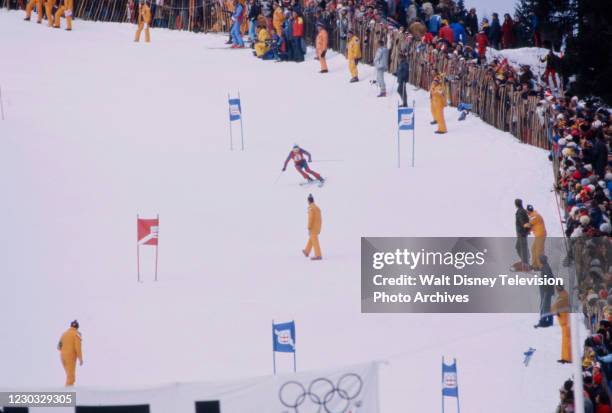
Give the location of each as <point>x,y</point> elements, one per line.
<point>494,33</point>
<point>236,22</point>
<point>433,24</point>
<point>459,31</point>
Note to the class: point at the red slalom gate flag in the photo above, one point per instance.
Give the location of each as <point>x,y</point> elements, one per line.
<point>148,231</point>
<point>147,234</point>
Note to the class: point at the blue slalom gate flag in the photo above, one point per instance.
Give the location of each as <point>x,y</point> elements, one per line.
<point>405,118</point>
<point>450,388</point>
<point>283,337</point>
<point>235,111</point>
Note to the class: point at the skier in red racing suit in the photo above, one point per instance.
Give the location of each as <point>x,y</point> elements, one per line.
<point>299,159</point>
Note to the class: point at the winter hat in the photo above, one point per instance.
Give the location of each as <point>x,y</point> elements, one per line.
<point>74,324</point>
<point>310,198</point>
<point>603,294</point>
<point>566,152</point>
<point>562,141</point>
<point>585,220</point>
<point>591,187</point>
<point>595,263</point>
<point>602,184</point>
<point>572,144</point>
<point>530,208</point>
<point>571,168</point>
<point>588,167</point>
<point>574,211</point>
<point>605,228</point>
<point>584,182</point>
<point>596,124</point>
<point>560,116</point>
<point>608,176</point>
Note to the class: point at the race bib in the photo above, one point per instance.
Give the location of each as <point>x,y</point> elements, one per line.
<point>68,13</point>
<point>297,157</point>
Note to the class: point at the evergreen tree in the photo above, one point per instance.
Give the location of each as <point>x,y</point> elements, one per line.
<point>460,10</point>
<point>524,15</point>
<point>588,54</point>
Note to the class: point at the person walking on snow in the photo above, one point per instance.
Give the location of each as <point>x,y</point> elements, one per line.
<point>561,308</point>
<point>521,220</point>
<point>69,347</point>
<point>353,55</point>
<point>538,229</point>
<point>237,17</point>
<point>314,229</point>
<point>299,156</point>
<point>381,63</point>
<point>65,9</point>
<point>438,102</point>
<point>39,12</point>
<point>144,21</point>
<point>321,46</point>
<point>403,71</point>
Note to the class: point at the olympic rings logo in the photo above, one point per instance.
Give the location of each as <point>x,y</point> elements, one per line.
<point>322,394</point>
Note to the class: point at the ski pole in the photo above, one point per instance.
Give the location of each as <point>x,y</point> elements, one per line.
<point>278,177</point>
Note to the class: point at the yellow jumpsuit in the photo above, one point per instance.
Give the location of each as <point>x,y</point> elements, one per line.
<point>536,223</point>
<point>49,9</point>
<point>353,53</point>
<point>65,9</point>
<point>39,11</point>
<point>561,307</point>
<point>438,102</point>
<point>144,19</point>
<point>314,229</point>
<point>277,20</point>
<point>321,43</point>
<point>70,351</point>
<point>260,46</point>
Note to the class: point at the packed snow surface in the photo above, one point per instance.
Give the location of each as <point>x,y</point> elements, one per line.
<point>99,129</point>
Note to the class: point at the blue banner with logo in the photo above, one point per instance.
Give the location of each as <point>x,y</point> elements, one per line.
<point>450,387</point>
<point>235,111</point>
<point>283,337</point>
<point>405,118</point>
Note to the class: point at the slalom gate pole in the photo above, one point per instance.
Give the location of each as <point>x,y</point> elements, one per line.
<point>1,104</point>
<point>137,251</point>
<point>157,247</point>
<point>241,130</point>
<point>273,352</point>
<point>294,361</point>
<point>398,142</point>
<point>457,382</point>
<point>413,130</point>
<point>230,124</point>
<point>442,390</point>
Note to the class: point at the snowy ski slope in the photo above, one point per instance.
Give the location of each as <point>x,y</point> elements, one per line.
<point>99,128</point>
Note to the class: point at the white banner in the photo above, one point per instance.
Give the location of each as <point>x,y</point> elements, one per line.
<point>351,389</point>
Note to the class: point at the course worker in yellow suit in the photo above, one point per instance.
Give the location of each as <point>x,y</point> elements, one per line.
<point>278,18</point>
<point>561,308</point>
<point>144,20</point>
<point>314,229</point>
<point>321,43</point>
<point>261,47</point>
<point>49,4</point>
<point>438,102</point>
<point>70,351</point>
<point>39,11</point>
<point>538,229</point>
<point>353,55</point>
<point>65,9</point>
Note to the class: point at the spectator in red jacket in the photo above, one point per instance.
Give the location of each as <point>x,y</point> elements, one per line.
<point>447,33</point>
<point>508,39</point>
<point>482,42</point>
<point>298,37</point>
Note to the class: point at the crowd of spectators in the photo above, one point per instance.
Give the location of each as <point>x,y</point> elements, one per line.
<point>581,134</point>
